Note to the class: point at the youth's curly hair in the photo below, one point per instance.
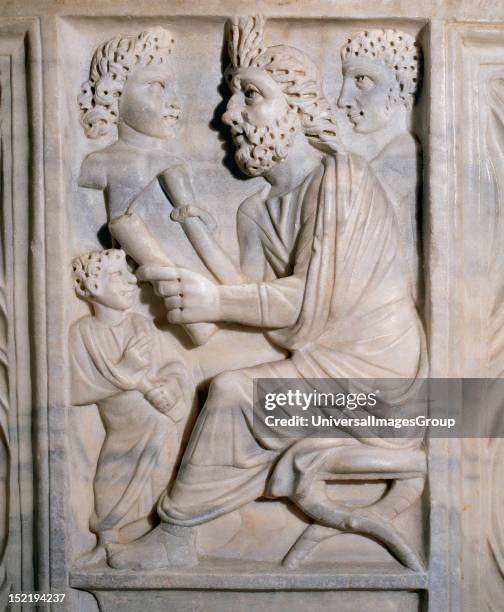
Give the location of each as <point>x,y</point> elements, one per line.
<point>111,64</point>
<point>398,50</point>
<point>87,268</point>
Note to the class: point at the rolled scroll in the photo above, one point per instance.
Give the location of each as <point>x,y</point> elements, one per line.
<point>177,185</point>
<point>139,243</point>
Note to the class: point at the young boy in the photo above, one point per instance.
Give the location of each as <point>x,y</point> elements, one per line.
<point>141,396</point>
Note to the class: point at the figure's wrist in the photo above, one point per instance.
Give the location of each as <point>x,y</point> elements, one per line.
<point>189,213</point>
<point>226,302</point>
<point>131,370</point>
<point>150,385</point>
<point>240,304</point>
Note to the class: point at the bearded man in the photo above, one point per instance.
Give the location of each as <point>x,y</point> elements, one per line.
<point>322,275</point>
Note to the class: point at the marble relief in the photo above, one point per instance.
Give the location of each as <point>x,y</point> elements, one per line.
<point>301,240</point>
<point>199,202</point>
<point>141,391</point>
<point>381,78</point>
<point>494,447</point>
<point>130,87</point>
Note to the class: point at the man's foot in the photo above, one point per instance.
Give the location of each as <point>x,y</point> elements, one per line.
<point>165,546</point>
<point>97,555</point>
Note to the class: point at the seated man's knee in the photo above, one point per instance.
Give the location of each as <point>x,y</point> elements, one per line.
<point>230,388</point>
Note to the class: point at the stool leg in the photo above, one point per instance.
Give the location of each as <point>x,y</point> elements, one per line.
<point>363,521</point>
<point>307,541</point>
<point>401,495</point>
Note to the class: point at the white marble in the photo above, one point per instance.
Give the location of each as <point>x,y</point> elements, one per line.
<point>197,195</point>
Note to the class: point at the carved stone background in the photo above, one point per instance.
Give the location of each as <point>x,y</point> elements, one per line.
<point>476,55</point>
<point>46,460</point>
<point>20,165</point>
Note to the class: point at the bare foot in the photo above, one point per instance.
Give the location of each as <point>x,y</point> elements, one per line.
<point>165,546</point>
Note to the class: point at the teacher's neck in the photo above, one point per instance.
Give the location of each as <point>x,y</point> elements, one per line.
<point>301,160</point>
<point>137,139</point>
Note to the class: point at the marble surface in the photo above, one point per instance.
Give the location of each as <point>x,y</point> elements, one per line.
<point>199,194</point>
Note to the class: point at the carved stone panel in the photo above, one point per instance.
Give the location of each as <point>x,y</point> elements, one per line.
<point>204,202</point>
<point>265,296</point>
<point>477,186</point>
<point>19,160</point>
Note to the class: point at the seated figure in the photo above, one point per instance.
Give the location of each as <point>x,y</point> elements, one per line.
<point>323,275</point>
<point>142,398</point>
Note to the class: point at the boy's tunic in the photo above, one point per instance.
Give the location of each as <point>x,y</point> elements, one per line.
<point>140,442</point>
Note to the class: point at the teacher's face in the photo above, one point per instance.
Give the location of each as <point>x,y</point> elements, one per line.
<point>262,123</point>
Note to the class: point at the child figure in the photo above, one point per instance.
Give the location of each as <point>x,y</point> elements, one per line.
<point>117,364</point>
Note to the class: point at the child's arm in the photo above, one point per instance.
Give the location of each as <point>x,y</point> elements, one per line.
<point>136,361</point>
<point>166,396</point>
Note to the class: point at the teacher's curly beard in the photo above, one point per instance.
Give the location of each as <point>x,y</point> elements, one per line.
<point>259,149</point>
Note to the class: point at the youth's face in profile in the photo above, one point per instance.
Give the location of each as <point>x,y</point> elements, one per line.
<point>116,287</point>
<point>369,88</point>
<point>148,102</point>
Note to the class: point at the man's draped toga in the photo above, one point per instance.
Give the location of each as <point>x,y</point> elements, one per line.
<point>329,252</point>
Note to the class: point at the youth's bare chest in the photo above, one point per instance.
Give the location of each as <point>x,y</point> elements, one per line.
<point>130,174</point>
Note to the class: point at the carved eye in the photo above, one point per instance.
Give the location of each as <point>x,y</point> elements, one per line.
<point>251,94</point>
<point>156,86</point>
<point>364,82</point>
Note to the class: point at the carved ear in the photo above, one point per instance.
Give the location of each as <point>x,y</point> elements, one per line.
<point>92,287</point>
<point>86,288</point>
<point>80,288</point>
